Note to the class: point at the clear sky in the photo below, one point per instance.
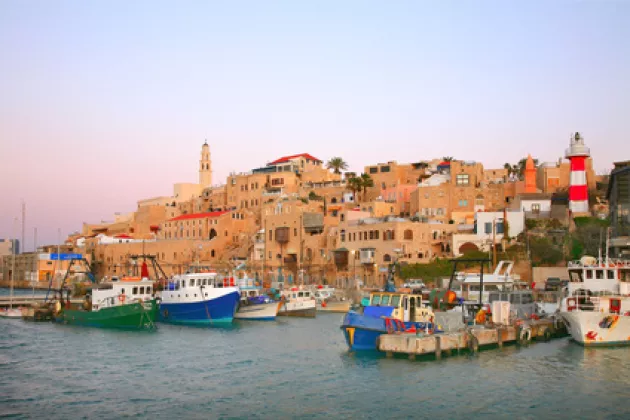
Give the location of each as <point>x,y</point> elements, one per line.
<point>103,103</point>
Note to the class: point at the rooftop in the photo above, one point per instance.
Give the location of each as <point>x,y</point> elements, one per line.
<point>288,158</point>
<point>208,215</point>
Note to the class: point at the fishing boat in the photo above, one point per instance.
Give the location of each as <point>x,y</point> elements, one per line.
<point>199,297</point>
<point>327,300</point>
<point>254,304</point>
<point>298,302</point>
<point>387,311</point>
<point>125,303</point>
<point>597,307</point>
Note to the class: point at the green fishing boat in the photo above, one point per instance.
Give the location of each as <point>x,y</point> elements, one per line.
<point>126,303</point>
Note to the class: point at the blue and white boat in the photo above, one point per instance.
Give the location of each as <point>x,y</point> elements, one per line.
<point>199,298</point>
<point>387,311</point>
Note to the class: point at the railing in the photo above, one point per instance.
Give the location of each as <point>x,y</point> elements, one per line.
<point>603,263</point>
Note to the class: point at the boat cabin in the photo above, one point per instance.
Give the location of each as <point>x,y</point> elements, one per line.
<point>296,294</point>
<point>521,301</point>
<point>403,306</point>
<point>599,275</point>
<point>501,281</point>
<point>120,292</point>
<point>196,280</point>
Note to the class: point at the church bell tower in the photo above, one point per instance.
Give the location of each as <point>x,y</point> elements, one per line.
<point>205,167</point>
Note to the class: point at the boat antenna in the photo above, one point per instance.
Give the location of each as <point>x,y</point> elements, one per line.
<point>607,243</point>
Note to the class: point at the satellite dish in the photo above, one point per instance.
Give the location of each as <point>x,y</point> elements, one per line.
<point>587,260</point>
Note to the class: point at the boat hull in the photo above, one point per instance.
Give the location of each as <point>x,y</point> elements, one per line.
<point>304,309</point>
<point>12,313</point>
<point>218,310</point>
<point>133,316</point>
<point>335,307</point>
<point>259,311</point>
<point>596,329</point>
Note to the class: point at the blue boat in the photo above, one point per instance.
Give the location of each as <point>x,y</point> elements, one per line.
<point>199,298</point>
<point>386,313</point>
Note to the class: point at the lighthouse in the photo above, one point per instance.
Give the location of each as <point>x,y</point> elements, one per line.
<point>578,189</point>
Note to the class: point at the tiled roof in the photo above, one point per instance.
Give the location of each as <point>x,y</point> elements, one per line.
<point>288,158</point>
<point>123,236</point>
<point>208,215</point>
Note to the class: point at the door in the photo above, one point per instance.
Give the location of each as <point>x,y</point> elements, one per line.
<point>406,308</point>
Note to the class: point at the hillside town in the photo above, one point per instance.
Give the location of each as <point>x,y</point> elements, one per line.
<point>304,220</point>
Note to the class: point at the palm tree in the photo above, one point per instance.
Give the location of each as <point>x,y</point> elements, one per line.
<point>366,182</point>
<point>337,164</point>
<point>354,184</point>
<point>448,158</point>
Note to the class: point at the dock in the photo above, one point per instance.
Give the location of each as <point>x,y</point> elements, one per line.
<point>470,339</point>
<point>28,300</point>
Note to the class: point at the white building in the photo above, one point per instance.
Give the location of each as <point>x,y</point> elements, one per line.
<point>488,225</point>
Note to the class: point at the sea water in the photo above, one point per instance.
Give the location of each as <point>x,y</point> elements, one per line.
<point>292,368</point>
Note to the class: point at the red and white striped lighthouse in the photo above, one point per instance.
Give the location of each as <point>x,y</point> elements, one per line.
<point>578,189</point>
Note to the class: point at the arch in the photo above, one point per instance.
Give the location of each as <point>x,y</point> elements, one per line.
<point>333,200</point>
<point>213,233</point>
<point>212,253</point>
<point>467,247</point>
<point>387,258</point>
<point>343,217</point>
<point>408,235</point>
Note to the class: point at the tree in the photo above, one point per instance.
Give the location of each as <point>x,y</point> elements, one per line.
<point>354,185</point>
<point>511,169</point>
<point>544,252</point>
<point>448,158</point>
<point>366,182</point>
<point>520,167</point>
<point>337,164</point>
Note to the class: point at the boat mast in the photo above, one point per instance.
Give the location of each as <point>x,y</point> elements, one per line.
<point>12,265</point>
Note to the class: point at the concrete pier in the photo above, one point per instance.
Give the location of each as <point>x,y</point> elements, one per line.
<point>470,339</point>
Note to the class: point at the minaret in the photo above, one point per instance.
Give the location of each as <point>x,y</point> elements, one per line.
<point>578,189</point>
<point>205,167</point>
<point>530,175</point>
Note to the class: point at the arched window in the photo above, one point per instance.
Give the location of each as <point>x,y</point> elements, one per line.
<point>343,235</point>
<point>333,200</point>
<point>408,234</point>
<point>212,253</point>
<point>387,258</point>
<point>213,233</point>
<point>343,217</point>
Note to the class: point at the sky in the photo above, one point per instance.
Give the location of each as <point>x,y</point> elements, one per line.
<point>103,103</point>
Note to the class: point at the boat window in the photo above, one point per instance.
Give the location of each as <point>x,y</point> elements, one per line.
<point>611,274</point>
<point>206,295</point>
<point>504,297</point>
<point>472,288</point>
<point>624,276</point>
<point>122,291</point>
<point>191,283</point>
<point>376,300</point>
<point>599,274</point>
<point>148,290</point>
<point>219,285</point>
<point>515,298</point>
<point>575,276</point>
<point>300,294</point>
<point>142,290</point>
<point>135,291</point>
<point>527,298</point>
<point>589,274</point>
<point>491,287</point>
<point>494,296</point>
<point>307,294</point>
<point>395,301</point>
<point>385,300</point>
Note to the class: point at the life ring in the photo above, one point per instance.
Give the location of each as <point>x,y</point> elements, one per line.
<point>525,336</point>
<point>121,298</point>
<point>571,304</point>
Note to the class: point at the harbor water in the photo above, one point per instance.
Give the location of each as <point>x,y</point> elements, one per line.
<point>292,368</point>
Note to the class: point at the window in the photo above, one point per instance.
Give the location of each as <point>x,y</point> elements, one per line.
<point>395,301</point>
<point>462,180</point>
<point>135,291</point>
<point>191,283</point>
<point>385,300</point>
<point>500,227</point>
<point>142,290</point>
<point>462,203</point>
<point>535,208</point>
<point>599,274</point>
<point>385,168</point>
<point>611,274</point>
<point>488,227</point>
<point>376,299</point>
<point>408,234</point>
<point>373,170</point>
<point>527,298</point>
<point>589,274</point>
<point>148,289</point>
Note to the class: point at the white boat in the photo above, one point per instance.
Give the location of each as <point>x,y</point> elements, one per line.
<point>11,312</point>
<point>501,280</point>
<point>327,300</point>
<point>254,304</point>
<point>298,302</point>
<point>597,307</point>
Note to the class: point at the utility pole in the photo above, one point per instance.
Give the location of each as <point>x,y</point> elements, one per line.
<point>23,224</point>
<point>494,244</point>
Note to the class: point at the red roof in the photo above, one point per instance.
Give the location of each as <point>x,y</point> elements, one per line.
<point>123,236</point>
<point>209,215</point>
<point>445,163</point>
<point>288,158</point>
